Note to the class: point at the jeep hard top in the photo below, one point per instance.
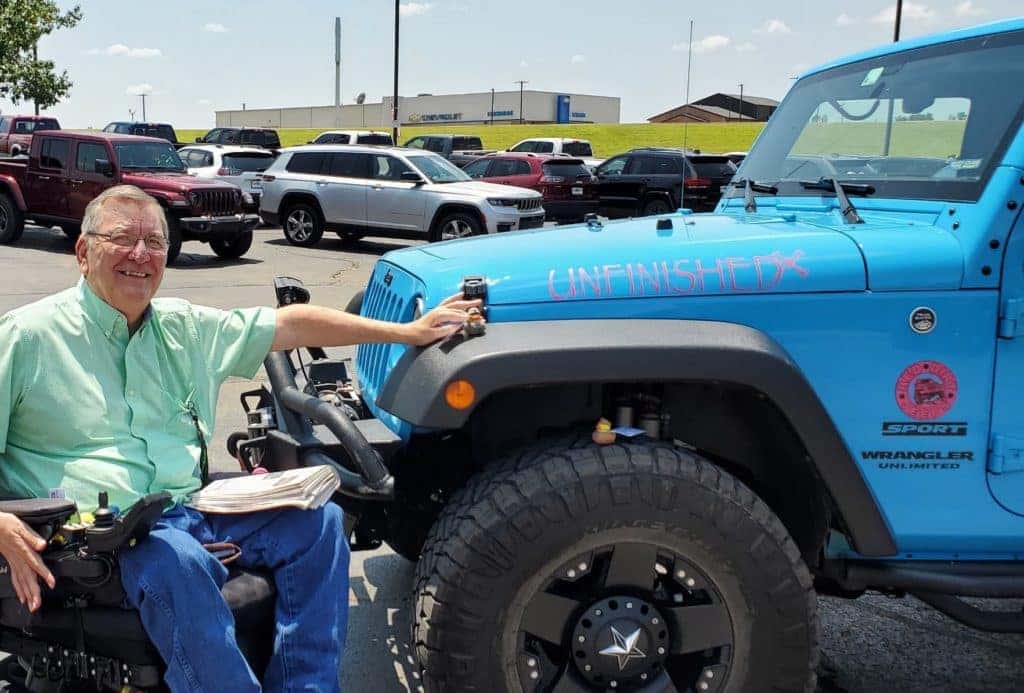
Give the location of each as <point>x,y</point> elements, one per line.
<point>672,433</point>
<point>66,169</point>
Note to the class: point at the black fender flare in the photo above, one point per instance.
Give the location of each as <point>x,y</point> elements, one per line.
<point>522,354</point>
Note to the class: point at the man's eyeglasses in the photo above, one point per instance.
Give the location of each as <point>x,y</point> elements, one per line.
<point>126,241</point>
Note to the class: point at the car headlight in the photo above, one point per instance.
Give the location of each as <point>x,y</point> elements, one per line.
<point>500,202</point>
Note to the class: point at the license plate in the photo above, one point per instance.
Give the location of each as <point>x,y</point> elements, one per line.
<point>256,184</point>
<point>577,191</point>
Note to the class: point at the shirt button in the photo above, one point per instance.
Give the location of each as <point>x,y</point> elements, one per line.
<point>131,393</point>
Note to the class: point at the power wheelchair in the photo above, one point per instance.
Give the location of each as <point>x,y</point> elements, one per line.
<point>83,638</point>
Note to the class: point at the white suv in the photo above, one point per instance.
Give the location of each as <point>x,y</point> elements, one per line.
<point>354,137</point>
<point>358,190</point>
<point>241,166</point>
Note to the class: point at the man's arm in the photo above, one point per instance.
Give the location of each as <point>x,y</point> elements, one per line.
<point>307,325</point>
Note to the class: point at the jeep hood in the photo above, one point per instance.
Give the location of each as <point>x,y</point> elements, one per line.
<point>480,189</point>
<point>701,254</point>
<point>176,182</point>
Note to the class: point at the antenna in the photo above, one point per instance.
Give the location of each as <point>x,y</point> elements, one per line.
<point>686,122</point>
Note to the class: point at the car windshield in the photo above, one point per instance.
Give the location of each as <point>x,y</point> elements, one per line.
<point>930,123</point>
<point>247,161</point>
<point>150,156</point>
<point>437,169</point>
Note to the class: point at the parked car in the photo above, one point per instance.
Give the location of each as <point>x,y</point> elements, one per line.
<point>164,131</point>
<point>654,180</point>
<point>67,169</point>
<point>559,145</point>
<point>254,137</point>
<point>736,157</point>
<point>354,137</point>
<point>568,189</point>
<point>458,149</point>
<point>16,132</point>
<point>239,166</point>
<point>357,190</point>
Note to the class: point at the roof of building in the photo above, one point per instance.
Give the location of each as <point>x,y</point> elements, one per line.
<point>747,98</point>
<point>716,110</point>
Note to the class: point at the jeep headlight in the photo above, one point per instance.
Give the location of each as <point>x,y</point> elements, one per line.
<point>500,202</point>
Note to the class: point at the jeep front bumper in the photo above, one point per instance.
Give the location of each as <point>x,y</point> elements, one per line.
<point>218,227</point>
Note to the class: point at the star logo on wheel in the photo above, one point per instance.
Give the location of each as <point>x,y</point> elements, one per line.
<point>624,647</point>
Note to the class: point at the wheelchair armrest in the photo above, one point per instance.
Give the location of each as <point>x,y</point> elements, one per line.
<point>39,511</point>
<point>135,524</point>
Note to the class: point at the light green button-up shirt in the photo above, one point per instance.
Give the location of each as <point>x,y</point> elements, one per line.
<point>84,407</point>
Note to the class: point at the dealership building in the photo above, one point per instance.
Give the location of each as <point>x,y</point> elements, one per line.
<point>528,106</point>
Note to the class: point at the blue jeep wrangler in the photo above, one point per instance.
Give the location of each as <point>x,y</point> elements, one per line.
<point>824,373</point>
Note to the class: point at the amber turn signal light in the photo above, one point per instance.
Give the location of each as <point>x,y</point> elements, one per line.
<point>460,394</point>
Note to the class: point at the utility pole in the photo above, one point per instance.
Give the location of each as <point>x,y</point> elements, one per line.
<point>394,103</point>
<point>741,102</point>
<point>35,57</point>
<point>143,107</point>
<point>492,105</point>
<point>899,15</point>
<point>337,72</point>
<point>521,82</point>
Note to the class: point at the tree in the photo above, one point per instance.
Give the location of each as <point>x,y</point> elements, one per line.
<point>22,23</point>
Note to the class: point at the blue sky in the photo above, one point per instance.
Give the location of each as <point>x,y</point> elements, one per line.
<point>193,57</point>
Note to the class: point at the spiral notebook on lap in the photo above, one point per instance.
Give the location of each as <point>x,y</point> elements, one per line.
<point>306,488</point>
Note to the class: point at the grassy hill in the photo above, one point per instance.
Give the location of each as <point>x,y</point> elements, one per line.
<point>606,139</point>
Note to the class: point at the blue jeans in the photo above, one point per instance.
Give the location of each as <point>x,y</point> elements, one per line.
<point>175,584</point>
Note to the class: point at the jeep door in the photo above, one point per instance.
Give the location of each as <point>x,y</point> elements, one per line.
<point>46,189</point>
<point>392,203</point>
<point>617,187</point>
<point>342,190</point>
<point>85,183</point>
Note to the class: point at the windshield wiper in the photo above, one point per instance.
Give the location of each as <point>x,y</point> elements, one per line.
<point>749,188</point>
<point>846,207</point>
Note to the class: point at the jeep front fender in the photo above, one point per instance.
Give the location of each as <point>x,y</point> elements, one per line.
<point>514,355</point>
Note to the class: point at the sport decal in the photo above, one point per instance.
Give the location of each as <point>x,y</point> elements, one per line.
<point>926,390</point>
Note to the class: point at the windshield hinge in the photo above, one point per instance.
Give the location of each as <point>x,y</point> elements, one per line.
<point>1011,322</point>
<point>1006,455</point>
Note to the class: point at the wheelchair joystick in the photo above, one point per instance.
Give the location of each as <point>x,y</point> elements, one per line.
<point>104,516</point>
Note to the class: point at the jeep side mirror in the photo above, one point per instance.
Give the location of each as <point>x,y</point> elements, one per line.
<point>103,166</point>
<point>412,177</point>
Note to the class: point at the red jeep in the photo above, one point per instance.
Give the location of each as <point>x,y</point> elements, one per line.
<point>16,132</point>
<point>569,190</point>
<point>66,169</point>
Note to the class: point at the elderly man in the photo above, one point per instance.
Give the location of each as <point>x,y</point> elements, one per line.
<point>104,388</point>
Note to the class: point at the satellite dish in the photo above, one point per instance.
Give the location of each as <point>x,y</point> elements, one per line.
<point>360,97</point>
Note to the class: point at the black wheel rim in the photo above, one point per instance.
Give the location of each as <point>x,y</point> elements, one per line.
<point>626,617</point>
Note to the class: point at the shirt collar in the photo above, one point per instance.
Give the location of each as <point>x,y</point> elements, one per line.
<point>110,320</point>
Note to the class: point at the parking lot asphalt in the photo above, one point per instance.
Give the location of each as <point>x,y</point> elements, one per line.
<point>872,644</point>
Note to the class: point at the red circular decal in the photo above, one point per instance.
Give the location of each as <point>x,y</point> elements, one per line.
<point>926,390</point>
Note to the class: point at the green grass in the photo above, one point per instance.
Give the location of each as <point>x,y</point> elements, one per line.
<point>606,139</point>
<point>938,138</point>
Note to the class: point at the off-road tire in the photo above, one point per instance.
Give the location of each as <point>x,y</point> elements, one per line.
<point>232,248</point>
<point>309,235</point>
<point>464,220</point>
<point>655,206</point>
<point>12,221</point>
<point>173,237</point>
<point>526,515</point>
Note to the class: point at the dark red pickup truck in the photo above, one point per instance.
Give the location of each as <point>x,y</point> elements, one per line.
<point>66,169</point>
<point>16,132</point>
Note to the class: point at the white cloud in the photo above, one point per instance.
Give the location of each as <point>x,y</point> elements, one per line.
<point>119,49</point>
<point>138,89</point>
<point>215,28</point>
<point>708,44</point>
<point>967,9</point>
<point>578,59</point>
<point>911,10</point>
<point>411,9</point>
<point>845,20</point>
<point>745,47</point>
<point>523,63</point>
<point>773,26</point>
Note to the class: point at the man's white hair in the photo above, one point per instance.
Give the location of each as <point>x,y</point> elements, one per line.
<point>91,222</point>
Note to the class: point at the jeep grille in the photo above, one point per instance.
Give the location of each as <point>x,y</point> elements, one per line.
<point>215,202</point>
<point>528,205</point>
<point>380,303</point>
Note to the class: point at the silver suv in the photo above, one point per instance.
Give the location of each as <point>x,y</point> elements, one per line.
<point>357,191</point>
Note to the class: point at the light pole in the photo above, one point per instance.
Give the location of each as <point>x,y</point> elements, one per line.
<point>492,105</point>
<point>143,107</point>
<point>521,82</point>
<point>394,103</point>
<point>899,14</point>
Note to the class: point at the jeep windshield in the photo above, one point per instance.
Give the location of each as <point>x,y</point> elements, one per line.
<point>930,123</point>
<point>438,169</point>
<point>148,156</point>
